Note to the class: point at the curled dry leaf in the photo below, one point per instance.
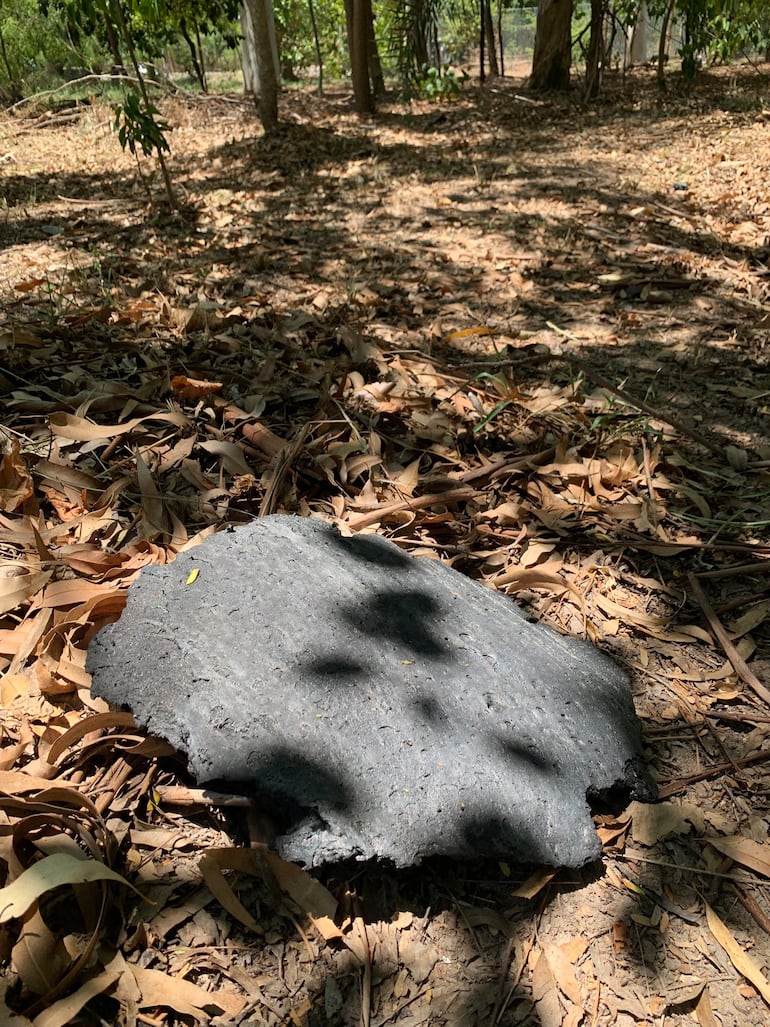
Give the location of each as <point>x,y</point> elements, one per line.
<point>16,485</point>
<point>51,872</point>
<point>193,389</point>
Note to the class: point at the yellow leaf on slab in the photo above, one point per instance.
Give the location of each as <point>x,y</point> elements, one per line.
<point>49,873</point>
<point>754,855</point>
<point>740,959</point>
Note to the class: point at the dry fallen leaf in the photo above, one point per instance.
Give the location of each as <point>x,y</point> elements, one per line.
<point>740,959</point>
<point>751,854</point>
<point>49,873</point>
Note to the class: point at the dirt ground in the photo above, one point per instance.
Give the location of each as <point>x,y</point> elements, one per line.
<point>524,335</point>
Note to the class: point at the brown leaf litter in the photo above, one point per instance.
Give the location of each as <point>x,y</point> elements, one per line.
<point>505,343</point>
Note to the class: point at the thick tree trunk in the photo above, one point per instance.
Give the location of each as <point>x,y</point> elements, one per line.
<point>637,45</point>
<point>552,58</point>
<point>259,57</point>
<point>359,57</point>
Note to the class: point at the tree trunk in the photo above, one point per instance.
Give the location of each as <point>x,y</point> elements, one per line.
<point>663,45</point>
<point>359,57</point>
<point>489,32</point>
<point>637,45</point>
<point>376,77</point>
<point>113,43</point>
<point>197,68</point>
<point>317,42</point>
<point>553,45</point>
<point>595,54</point>
<point>259,57</point>
<point>500,36</point>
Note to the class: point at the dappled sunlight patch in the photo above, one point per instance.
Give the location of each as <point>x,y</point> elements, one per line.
<point>549,373</point>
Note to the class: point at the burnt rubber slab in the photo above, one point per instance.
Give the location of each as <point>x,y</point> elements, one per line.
<point>393,707</point>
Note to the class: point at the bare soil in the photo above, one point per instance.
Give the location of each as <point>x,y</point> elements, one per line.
<point>521,334</point>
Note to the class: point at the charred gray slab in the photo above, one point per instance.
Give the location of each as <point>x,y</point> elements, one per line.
<point>389,705</point>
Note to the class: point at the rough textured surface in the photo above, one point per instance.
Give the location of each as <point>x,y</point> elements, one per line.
<point>392,706</point>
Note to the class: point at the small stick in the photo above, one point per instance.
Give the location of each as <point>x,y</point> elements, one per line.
<point>752,907</point>
<point>419,503</point>
<point>739,664</point>
<point>760,567</point>
<point>680,784</point>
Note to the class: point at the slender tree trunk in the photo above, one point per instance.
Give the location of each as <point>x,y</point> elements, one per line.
<point>595,53</point>
<point>317,42</point>
<point>113,43</point>
<point>259,56</point>
<point>500,36</point>
<point>482,38</point>
<point>359,59</point>
<point>348,5</point>
<point>663,45</point>
<point>637,45</point>
<point>489,32</point>
<point>376,78</point>
<point>201,61</point>
<point>197,69</point>
<point>552,58</point>
<point>117,12</point>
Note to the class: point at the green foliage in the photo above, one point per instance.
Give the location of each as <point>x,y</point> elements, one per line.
<point>36,48</point>
<point>433,84</point>
<point>137,124</point>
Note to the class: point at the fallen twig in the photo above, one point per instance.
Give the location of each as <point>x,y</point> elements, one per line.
<point>739,664</point>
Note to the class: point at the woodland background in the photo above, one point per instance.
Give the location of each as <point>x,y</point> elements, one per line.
<point>523,330</point>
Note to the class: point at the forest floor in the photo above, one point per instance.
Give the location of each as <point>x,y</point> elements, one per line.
<point>524,335</point>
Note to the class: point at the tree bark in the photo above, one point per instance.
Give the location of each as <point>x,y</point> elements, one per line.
<point>359,58</point>
<point>317,43</point>
<point>259,57</point>
<point>552,58</point>
<point>595,54</point>
<point>663,46</point>
<point>376,77</point>
<point>637,45</point>
<point>197,67</point>
<point>489,32</point>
